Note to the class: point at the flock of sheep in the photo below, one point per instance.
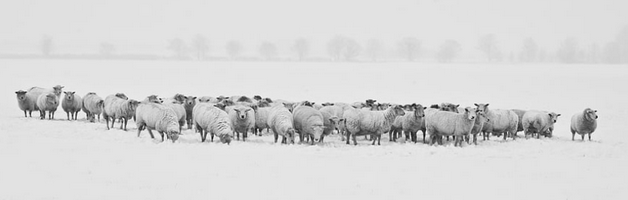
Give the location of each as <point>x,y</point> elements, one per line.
<point>229,117</point>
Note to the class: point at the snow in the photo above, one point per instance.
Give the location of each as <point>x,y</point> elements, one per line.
<point>60,159</point>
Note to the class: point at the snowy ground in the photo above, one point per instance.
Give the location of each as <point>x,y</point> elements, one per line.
<point>58,159</point>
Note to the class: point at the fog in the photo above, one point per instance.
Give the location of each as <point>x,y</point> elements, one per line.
<point>137,26</point>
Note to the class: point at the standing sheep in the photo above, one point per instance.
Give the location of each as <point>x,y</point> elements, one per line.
<point>153,116</point>
<point>520,114</point>
<point>34,92</point>
<point>538,122</point>
<point>47,102</point>
<point>332,111</point>
<point>119,108</point>
<point>261,119</point>
<point>93,106</point>
<point>375,123</point>
<point>242,120</point>
<point>450,123</point>
<point>72,105</point>
<point>25,104</point>
<point>208,118</point>
<point>584,123</point>
<point>280,121</point>
<point>502,121</point>
<point>330,123</point>
<point>176,104</point>
<point>190,102</point>
<point>412,122</point>
<point>480,121</point>
<point>308,122</point>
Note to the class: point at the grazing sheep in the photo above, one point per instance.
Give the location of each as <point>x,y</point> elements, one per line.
<point>153,116</point>
<point>520,114</point>
<point>584,123</point>
<point>538,122</point>
<point>93,106</point>
<point>72,105</point>
<point>208,118</point>
<point>280,121</point>
<point>410,123</point>
<point>25,104</point>
<point>308,122</point>
<point>242,120</point>
<point>119,108</point>
<point>261,119</point>
<point>451,124</point>
<point>47,102</point>
<point>190,102</point>
<point>502,121</point>
<point>179,111</point>
<point>374,123</point>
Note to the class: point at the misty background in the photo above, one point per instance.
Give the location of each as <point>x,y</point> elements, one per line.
<point>576,31</point>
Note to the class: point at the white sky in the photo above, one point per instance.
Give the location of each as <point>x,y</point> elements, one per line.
<point>138,23</point>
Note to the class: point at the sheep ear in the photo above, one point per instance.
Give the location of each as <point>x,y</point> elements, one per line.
<point>487,105</point>
<point>65,92</point>
<point>194,98</point>
<point>557,115</point>
<point>476,104</point>
<point>458,105</point>
<point>595,111</point>
<point>424,108</point>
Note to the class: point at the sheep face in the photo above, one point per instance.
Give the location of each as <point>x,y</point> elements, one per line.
<point>398,110</point>
<point>419,110</point>
<point>553,116</point>
<point>317,131</point>
<point>51,99</point>
<point>370,102</point>
<point>21,95</point>
<point>225,139</point>
<point>227,102</point>
<point>204,99</point>
<point>449,107</point>
<point>179,98</point>
<point>481,107</point>
<point>471,113</point>
<point>122,96</point>
<point>243,112</point>
<point>263,103</point>
<point>190,100</point>
<point>154,99</point>
<point>590,114</point>
<point>58,89</point>
<point>290,136</point>
<point>289,106</point>
<point>257,97</point>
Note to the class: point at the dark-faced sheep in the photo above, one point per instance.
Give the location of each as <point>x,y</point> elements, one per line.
<point>93,105</point>
<point>153,116</point>
<point>538,122</point>
<point>375,123</point>
<point>584,123</point>
<point>71,104</point>
<point>210,119</point>
<point>119,108</point>
<point>308,122</point>
<point>443,123</point>
<point>25,104</point>
<point>501,121</point>
<point>190,102</point>
<point>242,120</point>
<point>280,121</point>
<point>47,102</point>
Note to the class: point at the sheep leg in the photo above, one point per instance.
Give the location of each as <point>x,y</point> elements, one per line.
<point>475,139</point>
<point>573,134</point>
<point>355,142</point>
<point>244,135</point>
<point>151,133</point>
<point>379,138</point>
<point>589,136</point>
<point>423,136</point>
<point>139,129</point>
<point>42,114</point>
<point>505,134</point>
<point>162,135</point>
<point>583,137</point>
<point>277,137</point>
<point>391,136</point>
<point>113,120</point>
<point>348,135</point>
<point>211,136</point>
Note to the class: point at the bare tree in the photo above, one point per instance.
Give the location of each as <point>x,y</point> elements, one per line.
<point>302,48</point>
<point>488,44</point>
<point>374,49</point>
<point>568,51</point>
<point>529,50</point>
<point>107,49</point>
<point>200,46</point>
<point>46,45</point>
<point>448,51</point>
<point>234,49</point>
<point>268,50</point>
<point>409,48</point>
<point>178,48</point>
<point>352,49</point>
<point>335,47</point>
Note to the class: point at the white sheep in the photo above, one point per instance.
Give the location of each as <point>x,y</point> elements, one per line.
<point>330,122</point>
<point>47,102</point>
<point>119,108</point>
<point>411,123</point>
<point>520,114</point>
<point>36,91</point>
<point>335,111</point>
<point>480,121</point>
<point>242,120</point>
<point>538,122</point>
<point>280,121</point>
<point>176,104</point>
<point>501,121</point>
<point>208,118</point>
<point>584,123</point>
<point>190,102</point>
<point>451,124</point>
<point>93,105</point>
<point>153,116</point>
<point>25,103</point>
<point>308,122</point>
<point>375,123</point>
<point>207,99</point>
<point>71,104</point>
<point>261,119</point>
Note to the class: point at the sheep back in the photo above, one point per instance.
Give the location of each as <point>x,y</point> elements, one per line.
<point>308,121</point>
<point>212,119</point>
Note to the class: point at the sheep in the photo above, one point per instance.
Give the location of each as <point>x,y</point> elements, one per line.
<point>329,112</point>
<point>502,121</point>
<point>480,121</point>
<point>208,118</point>
<point>190,102</point>
<point>538,122</point>
<point>410,123</point>
<point>72,104</point>
<point>36,91</point>
<point>119,108</point>
<point>447,107</point>
<point>47,102</point>
<point>280,121</point>
<point>242,120</point>
<point>25,103</point>
<point>520,114</point>
<point>261,119</point>
<point>308,122</point>
<point>153,99</point>
<point>375,123</point>
<point>450,123</point>
<point>93,106</point>
<point>179,111</point>
<point>207,99</point>
<point>153,116</point>
<point>584,123</point>
<point>330,123</point>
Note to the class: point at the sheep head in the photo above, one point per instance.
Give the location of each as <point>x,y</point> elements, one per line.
<point>58,89</point>
<point>590,114</point>
<point>471,113</point>
<point>553,116</point>
<point>21,95</point>
<point>122,96</point>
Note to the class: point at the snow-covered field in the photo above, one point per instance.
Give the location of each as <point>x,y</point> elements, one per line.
<point>59,159</point>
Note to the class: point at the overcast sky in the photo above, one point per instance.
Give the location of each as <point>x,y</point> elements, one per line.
<point>152,22</point>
